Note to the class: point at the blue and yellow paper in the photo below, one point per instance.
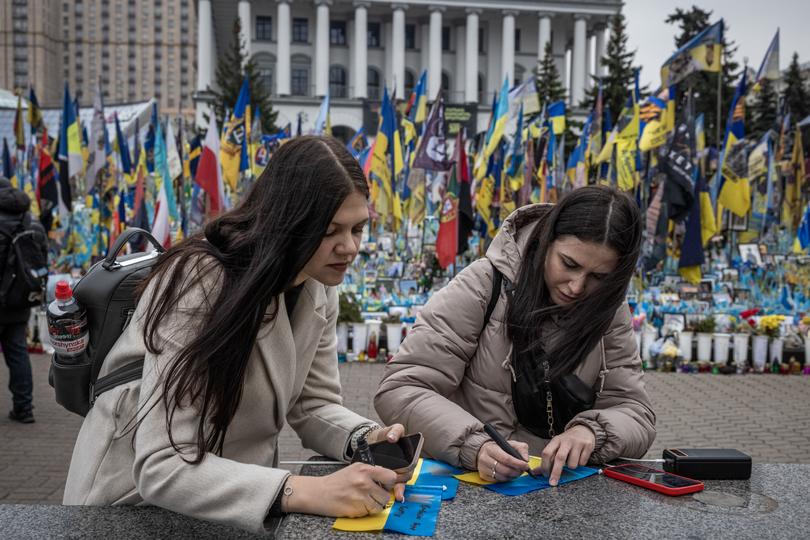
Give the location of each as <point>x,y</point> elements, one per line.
<point>526,483</point>
<point>431,482</point>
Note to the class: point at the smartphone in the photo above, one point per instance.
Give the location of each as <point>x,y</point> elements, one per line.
<point>660,481</point>
<point>400,456</point>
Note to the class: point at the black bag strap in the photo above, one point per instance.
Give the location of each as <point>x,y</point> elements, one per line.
<point>497,280</point>
<point>109,261</point>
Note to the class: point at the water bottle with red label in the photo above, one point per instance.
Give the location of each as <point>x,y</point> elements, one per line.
<point>67,326</point>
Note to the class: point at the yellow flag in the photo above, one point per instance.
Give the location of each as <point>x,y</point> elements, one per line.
<point>626,163</point>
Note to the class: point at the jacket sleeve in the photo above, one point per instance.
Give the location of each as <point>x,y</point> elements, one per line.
<point>318,415</point>
<point>622,418</point>
<point>430,365</point>
<point>216,489</point>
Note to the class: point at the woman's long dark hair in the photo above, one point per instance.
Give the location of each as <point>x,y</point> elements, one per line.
<point>256,250</point>
<point>592,214</point>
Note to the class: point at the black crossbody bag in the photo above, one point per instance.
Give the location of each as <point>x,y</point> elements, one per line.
<point>542,406</point>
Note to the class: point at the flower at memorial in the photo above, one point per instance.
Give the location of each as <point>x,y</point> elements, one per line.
<point>770,325</point>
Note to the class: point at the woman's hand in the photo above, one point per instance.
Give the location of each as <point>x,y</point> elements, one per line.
<point>572,448</point>
<point>392,434</point>
<point>495,465</point>
<point>354,491</point>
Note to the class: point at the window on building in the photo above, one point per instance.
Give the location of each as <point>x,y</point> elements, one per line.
<point>373,83</point>
<point>445,38</point>
<point>482,48</point>
<point>300,30</point>
<point>337,82</point>
<point>481,88</point>
<point>299,75</point>
<point>410,82</point>
<point>337,32</point>
<point>446,83</point>
<point>264,28</point>
<point>517,39</point>
<point>265,63</point>
<point>410,36</point>
<point>520,72</point>
<point>374,37</point>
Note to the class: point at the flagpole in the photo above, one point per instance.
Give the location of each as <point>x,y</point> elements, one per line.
<point>719,108</point>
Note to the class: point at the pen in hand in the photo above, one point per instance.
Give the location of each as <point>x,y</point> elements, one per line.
<point>505,446</point>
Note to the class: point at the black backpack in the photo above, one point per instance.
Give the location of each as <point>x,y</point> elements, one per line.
<point>107,292</point>
<point>24,265</point>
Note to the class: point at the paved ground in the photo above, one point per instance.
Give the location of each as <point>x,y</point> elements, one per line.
<point>766,416</point>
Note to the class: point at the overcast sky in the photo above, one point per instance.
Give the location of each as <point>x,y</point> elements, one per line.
<point>751,24</point>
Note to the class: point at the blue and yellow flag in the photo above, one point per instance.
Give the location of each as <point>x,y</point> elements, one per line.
<point>417,104</point>
<point>501,115</point>
<point>323,124</point>
<point>19,131</point>
<point>123,151</point>
<point>735,191</point>
<point>382,159</point>
<point>556,116</point>
<point>34,113</point>
<point>233,153</point>
<point>692,246</point>
<point>704,52</point>
<point>769,69</point>
<point>515,159</point>
<point>70,145</point>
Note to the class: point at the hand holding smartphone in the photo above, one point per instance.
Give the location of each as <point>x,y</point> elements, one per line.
<point>654,479</point>
<point>400,456</point>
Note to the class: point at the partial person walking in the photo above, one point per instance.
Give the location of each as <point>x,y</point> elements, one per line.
<point>14,219</point>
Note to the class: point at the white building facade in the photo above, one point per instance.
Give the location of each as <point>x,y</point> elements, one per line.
<point>352,49</point>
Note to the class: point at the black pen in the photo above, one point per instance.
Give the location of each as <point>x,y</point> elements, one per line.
<point>505,446</point>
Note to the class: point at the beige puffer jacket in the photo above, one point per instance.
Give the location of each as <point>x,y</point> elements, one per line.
<point>439,384</point>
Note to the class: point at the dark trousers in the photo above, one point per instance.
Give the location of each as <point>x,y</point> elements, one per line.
<point>15,351</point>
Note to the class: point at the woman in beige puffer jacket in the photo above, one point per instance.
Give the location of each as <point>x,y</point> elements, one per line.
<point>570,265</point>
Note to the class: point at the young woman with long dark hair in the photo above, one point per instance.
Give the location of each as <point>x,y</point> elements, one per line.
<point>555,368</point>
<point>237,328</point>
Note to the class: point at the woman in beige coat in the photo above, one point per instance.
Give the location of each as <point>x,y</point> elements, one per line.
<point>561,311</point>
<point>236,327</point>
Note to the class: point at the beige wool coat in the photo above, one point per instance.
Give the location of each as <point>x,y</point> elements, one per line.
<point>446,380</point>
<point>292,374</point>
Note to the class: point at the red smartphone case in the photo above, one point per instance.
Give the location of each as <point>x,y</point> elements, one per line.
<point>615,472</point>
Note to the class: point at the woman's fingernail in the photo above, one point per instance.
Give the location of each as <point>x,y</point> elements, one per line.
<point>391,436</point>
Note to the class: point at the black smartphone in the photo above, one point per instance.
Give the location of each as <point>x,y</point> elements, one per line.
<point>400,456</point>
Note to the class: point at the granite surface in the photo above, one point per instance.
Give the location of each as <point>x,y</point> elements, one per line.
<point>773,504</point>
<point>19,522</point>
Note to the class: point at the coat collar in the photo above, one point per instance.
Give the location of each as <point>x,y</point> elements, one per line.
<point>286,345</point>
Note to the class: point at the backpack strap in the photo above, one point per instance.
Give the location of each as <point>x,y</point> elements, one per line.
<point>497,280</point>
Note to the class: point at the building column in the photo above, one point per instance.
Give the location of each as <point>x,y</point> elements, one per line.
<point>205,58</point>
<point>322,47</point>
<point>435,54</point>
<point>460,76</point>
<point>578,60</point>
<point>388,57</point>
<point>543,34</point>
<point>599,28</point>
<point>424,48</point>
<point>246,28</point>
<point>471,57</point>
<point>398,46</point>
<point>361,49</point>
<point>588,54</point>
<point>508,48</point>
<point>283,35</point>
